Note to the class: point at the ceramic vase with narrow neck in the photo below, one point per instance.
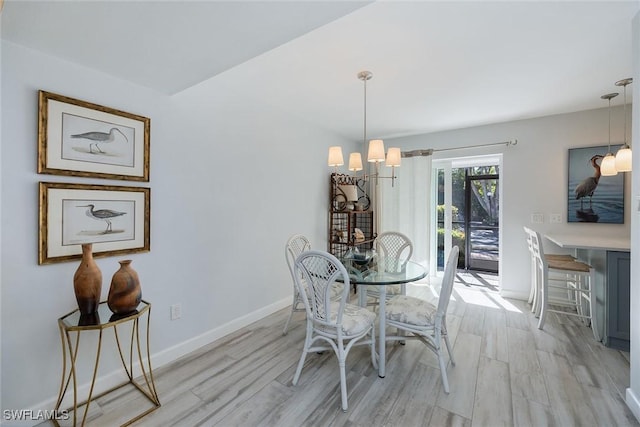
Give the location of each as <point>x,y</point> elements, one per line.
<point>125,292</point>
<point>87,282</point>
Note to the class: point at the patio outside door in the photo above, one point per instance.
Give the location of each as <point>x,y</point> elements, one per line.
<point>467,208</point>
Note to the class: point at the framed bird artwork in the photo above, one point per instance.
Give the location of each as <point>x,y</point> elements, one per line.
<point>78,138</point>
<point>593,197</point>
<point>115,219</point>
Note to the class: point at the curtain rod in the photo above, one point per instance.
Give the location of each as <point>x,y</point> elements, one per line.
<point>430,151</point>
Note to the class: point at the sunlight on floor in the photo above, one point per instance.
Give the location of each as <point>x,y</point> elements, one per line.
<point>471,288</point>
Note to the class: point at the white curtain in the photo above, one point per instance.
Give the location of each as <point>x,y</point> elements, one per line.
<point>405,207</point>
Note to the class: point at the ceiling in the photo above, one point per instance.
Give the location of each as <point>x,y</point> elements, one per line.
<point>436,65</point>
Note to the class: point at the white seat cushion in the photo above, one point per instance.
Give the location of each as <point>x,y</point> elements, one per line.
<point>410,310</point>
<point>355,319</point>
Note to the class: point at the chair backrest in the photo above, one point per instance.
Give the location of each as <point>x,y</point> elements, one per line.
<point>314,274</point>
<point>527,232</point>
<point>393,244</point>
<point>537,250</point>
<point>294,247</point>
<point>447,283</point>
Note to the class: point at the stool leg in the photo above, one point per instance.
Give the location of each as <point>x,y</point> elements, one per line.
<point>543,297</point>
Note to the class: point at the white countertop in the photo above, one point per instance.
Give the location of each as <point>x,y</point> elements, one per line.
<point>583,241</point>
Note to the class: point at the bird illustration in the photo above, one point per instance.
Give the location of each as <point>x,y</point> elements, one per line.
<point>99,138</point>
<point>102,215</point>
<point>588,185</point>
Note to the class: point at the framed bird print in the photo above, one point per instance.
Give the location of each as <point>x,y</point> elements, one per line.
<point>115,219</point>
<point>78,138</point>
<point>593,197</point>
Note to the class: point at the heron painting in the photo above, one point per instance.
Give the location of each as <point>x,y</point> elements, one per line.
<point>591,196</point>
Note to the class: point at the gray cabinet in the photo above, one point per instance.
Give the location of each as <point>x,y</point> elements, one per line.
<point>618,294</point>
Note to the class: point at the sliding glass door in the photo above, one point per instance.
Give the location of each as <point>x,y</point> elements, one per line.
<point>467,208</point>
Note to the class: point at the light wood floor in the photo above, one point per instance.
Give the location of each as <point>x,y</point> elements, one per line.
<point>508,373</point>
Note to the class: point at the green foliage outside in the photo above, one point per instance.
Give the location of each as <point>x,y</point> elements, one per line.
<point>457,235</point>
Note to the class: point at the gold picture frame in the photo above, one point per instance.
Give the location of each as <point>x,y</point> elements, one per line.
<point>78,138</point>
<point>115,219</point>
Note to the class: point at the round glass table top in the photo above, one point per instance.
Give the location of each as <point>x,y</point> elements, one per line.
<point>383,271</point>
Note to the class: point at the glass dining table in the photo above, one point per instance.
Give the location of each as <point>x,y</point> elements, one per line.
<point>381,272</point>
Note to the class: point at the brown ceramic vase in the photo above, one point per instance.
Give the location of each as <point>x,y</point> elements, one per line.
<point>125,292</point>
<point>87,282</point>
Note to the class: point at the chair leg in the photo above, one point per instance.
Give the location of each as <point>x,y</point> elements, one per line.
<point>543,299</point>
<point>300,365</point>
<point>443,370</point>
<point>445,335</point>
<point>293,308</point>
<point>532,291</point>
<point>374,355</point>
<point>535,306</point>
<point>286,325</point>
<point>303,356</point>
<point>343,376</point>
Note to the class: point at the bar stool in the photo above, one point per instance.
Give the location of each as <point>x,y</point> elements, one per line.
<point>534,288</point>
<point>565,283</point>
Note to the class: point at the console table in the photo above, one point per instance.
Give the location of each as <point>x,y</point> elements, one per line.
<point>73,325</point>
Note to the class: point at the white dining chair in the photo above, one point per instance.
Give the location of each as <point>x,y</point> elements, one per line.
<point>296,245</point>
<point>395,249</point>
<point>331,324</point>
<point>424,321</point>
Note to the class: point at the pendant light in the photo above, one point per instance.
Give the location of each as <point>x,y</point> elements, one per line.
<point>623,156</point>
<point>608,165</point>
<point>376,152</point>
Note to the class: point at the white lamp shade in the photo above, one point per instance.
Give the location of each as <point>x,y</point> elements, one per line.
<point>393,157</point>
<point>355,162</point>
<point>608,165</point>
<point>335,156</point>
<point>350,191</point>
<point>623,159</point>
<point>376,151</point>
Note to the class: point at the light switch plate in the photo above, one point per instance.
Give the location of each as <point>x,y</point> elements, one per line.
<point>555,218</point>
<point>537,218</point>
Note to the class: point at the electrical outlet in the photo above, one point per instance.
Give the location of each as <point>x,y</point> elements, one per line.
<point>537,218</point>
<point>176,311</point>
<point>555,218</point>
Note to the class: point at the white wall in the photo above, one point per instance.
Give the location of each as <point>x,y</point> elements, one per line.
<point>533,177</point>
<point>633,392</point>
<point>230,181</point>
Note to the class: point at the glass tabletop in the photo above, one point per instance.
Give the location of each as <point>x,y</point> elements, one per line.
<point>383,271</point>
<point>101,319</point>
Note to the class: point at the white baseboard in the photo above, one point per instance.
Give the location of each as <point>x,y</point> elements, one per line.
<point>159,359</point>
<point>170,354</point>
<point>506,293</point>
<point>633,403</point>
